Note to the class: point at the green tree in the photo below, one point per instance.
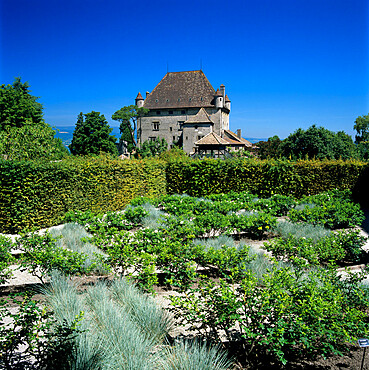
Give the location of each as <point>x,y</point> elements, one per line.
<point>17,105</point>
<point>31,142</point>
<point>127,116</point>
<point>92,135</point>
<point>24,135</point>
<point>270,148</point>
<point>152,148</point>
<point>320,143</point>
<point>362,128</point>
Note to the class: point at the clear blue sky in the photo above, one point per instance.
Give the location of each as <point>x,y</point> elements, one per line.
<point>285,64</point>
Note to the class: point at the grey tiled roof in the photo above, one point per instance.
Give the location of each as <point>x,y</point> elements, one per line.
<point>181,90</point>
<point>200,117</point>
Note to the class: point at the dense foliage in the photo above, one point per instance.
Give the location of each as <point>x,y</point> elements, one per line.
<point>263,178</point>
<point>92,135</point>
<point>24,135</point>
<point>362,128</point>
<point>314,143</point>
<point>17,105</point>
<point>151,148</point>
<point>38,194</point>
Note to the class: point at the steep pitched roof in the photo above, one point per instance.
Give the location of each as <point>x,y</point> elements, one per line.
<point>139,96</point>
<point>200,117</point>
<point>181,90</point>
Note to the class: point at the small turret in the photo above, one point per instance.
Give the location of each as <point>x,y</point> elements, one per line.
<point>139,100</point>
<point>227,102</point>
<point>218,100</point>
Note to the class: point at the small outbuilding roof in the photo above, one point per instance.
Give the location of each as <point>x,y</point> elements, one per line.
<point>212,139</point>
<point>233,137</point>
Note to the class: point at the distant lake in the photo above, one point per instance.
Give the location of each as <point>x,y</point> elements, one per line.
<point>66,134</point>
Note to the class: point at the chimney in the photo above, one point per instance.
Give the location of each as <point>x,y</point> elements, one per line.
<point>239,133</point>
<point>147,94</point>
<point>222,90</point>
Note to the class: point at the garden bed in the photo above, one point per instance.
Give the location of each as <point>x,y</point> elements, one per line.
<point>182,248</point>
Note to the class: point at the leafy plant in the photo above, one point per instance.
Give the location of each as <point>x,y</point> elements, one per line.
<point>333,248</point>
<point>6,259</point>
<point>31,335</point>
<point>333,210</point>
<point>304,312</point>
<point>41,255</point>
<point>254,224</point>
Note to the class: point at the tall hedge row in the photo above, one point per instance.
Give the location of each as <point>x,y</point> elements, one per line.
<point>34,194</point>
<point>266,177</point>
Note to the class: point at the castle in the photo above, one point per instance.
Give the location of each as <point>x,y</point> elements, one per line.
<point>184,109</point>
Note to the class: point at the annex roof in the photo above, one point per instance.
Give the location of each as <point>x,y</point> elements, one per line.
<point>181,90</point>
<point>200,117</point>
<point>212,139</point>
<point>234,138</point>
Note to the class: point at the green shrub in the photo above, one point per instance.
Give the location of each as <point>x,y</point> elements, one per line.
<point>38,194</point>
<point>73,237</point>
<point>306,313</point>
<point>263,177</point>
<point>342,246</point>
<point>277,205</point>
<point>6,259</point>
<point>41,255</point>
<point>254,224</point>
<point>333,215</point>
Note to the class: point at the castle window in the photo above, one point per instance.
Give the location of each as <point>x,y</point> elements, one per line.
<point>152,138</point>
<point>183,112</point>
<point>174,138</point>
<point>186,137</point>
<point>156,100</point>
<point>189,99</point>
<point>180,124</point>
<point>179,99</point>
<point>158,112</point>
<point>156,126</point>
<point>202,99</point>
<point>200,137</point>
<point>170,112</point>
<point>196,127</point>
<point>170,129</point>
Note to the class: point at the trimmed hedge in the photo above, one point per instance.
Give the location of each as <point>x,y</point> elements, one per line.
<point>264,177</point>
<point>38,194</point>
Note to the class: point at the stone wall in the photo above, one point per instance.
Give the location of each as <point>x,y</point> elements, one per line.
<point>168,124</point>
